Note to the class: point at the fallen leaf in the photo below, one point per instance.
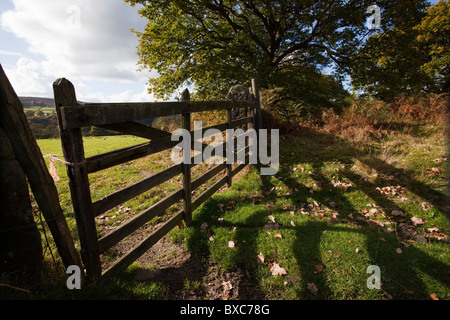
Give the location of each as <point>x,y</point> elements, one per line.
<point>397,213</point>
<point>434,296</point>
<point>319,268</point>
<point>278,235</point>
<point>357,250</point>
<point>271,226</point>
<point>416,221</point>
<point>271,218</point>
<point>312,288</point>
<point>387,295</point>
<point>211,239</point>
<point>433,171</point>
<point>405,244</point>
<point>203,227</point>
<point>432,229</point>
<point>420,238</point>
<point>276,270</point>
<point>231,244</point>
<point>425,206</point>
<point>260,258</point>
<point>227,286</point>
<point>220,205</point>
<point>292,223</point>
<point>398,250</point>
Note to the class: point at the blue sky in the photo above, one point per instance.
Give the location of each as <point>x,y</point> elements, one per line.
<point>88,42</point>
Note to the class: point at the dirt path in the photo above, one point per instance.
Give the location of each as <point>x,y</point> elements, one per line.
<point>188,278</point>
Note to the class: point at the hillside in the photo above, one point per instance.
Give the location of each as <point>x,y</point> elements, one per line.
<point>37,102</point>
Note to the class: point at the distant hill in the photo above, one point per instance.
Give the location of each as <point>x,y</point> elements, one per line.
<point>41,116</point>
<point>37,102</point>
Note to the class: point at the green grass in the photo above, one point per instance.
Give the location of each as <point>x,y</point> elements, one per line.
<point>346,244</point>
<point>322,237</point>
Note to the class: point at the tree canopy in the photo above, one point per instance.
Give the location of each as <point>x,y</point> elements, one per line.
<point>411,57</point>
<point>211,45</point>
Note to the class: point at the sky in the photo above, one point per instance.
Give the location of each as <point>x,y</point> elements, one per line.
<point>89,42</point>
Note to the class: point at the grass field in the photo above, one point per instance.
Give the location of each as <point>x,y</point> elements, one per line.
<point>339,204</point>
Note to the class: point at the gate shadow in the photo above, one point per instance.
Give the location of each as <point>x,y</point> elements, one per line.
<point>399,273</point>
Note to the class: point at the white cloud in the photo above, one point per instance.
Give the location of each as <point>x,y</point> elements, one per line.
<point>124,96</point>
<point>82,40</point>
<point>27,77</point>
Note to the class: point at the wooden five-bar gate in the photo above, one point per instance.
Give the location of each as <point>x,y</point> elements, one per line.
<point>123,117</point>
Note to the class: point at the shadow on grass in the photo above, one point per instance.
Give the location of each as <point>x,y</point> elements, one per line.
<point>403,276</point>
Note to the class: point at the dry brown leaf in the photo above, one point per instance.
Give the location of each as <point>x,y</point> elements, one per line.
<point>405,244</point>
<point>271,218</point>
<point>397,213</point>
<point>416,221</point>
<point>434,171</point>
<point>227,286</point>
<point>420,238</point>
<point>292,223</point>
<point>278,235</point>
<point>398,250</point>
<point>203,227</point>
<point>231,244</point>
<point>319,268</point>
<point>312,288</point>
<point>434,296</point>
<point>276,270</point>
<point>260,258</point>
<point>387,295</point>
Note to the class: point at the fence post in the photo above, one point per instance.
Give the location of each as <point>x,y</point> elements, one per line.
<point>229,166</point>
<point>257,94</point>
<point>187,195</point>
<point>72,145</point>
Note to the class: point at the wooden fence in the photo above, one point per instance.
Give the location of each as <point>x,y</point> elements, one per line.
<point>122,117</point>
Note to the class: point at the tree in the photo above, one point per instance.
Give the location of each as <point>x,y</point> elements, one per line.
<point>214,44</point>
<point>407,57</point>
<point>434,36</point>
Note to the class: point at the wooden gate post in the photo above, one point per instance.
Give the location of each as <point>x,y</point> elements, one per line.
<point>187,188</point>
<point>229,165</point>
<point>257,94</point>
<point>72,145</point>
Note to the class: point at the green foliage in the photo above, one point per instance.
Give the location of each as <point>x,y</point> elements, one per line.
<point>303,94</point>
<point>213,45</point>
<point>409,56</point>
<point>434,36</point>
